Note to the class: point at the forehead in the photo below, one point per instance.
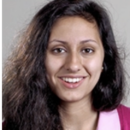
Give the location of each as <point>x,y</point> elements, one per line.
<point>74,28</point>
<point>71,20</point>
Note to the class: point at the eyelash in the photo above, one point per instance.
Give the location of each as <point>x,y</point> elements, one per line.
<point>61,50</point>
<point>88,50</point>
<point>58,50</point>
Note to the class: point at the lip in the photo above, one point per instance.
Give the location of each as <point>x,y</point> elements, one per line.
<point>72,85</point>
<point>72,76</point>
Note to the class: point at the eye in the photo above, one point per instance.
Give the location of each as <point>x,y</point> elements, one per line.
<point>88,50</point>
<point>59,50</point>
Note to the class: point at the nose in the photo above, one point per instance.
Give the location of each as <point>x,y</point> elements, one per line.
<point>73,63</point>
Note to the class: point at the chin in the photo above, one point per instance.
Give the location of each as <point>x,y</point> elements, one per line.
<point>72,98</point>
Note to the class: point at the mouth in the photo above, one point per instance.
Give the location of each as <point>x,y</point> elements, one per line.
<point>72,82</point>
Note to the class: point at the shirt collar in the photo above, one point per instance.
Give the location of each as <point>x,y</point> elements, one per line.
<point>109,121</point>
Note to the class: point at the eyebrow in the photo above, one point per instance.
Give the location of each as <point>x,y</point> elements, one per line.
<point>82,42</point>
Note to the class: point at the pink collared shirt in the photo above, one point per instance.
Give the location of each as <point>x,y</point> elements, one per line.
<point>118,119</point>
<point>109,121</point>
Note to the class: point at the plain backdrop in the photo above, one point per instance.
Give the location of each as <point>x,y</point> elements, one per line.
<point>18,13</point>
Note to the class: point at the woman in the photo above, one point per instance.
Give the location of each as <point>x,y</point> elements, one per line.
<point>66,73</point>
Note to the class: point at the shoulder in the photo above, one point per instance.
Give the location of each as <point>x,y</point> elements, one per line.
<point>123,111</point>
<point>124,116</point>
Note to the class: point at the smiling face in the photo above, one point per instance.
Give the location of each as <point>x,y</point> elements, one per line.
<point>74,58</point>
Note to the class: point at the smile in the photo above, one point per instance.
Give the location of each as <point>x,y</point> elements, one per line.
<point>72,80</point>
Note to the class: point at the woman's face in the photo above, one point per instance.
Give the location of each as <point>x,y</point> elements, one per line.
<point>74,58</point>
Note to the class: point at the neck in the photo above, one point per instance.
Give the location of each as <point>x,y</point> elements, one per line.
<point>78,115</point>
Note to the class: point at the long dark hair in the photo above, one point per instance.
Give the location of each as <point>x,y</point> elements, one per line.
<point>28,103</point>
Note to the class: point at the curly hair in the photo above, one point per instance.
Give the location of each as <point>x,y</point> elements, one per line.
<point>28,102</point>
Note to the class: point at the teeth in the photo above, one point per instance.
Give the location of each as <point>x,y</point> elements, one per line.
<point>72,80</point>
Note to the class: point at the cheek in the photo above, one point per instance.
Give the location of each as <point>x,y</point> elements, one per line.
<point>94,66</point>
<point>52,65</point>
<point>50,68</point>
